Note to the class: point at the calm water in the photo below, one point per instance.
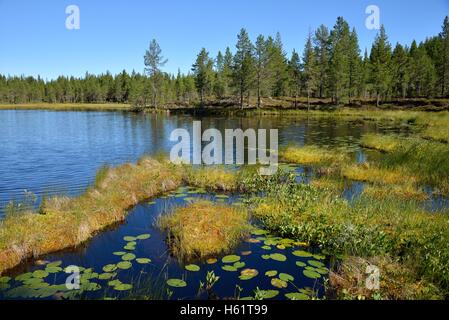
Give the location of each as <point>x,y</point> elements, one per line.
<point>49,152</point>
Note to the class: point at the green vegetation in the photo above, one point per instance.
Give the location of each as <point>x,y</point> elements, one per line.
<point>311,155</point>
<point>332,70</point>
<point>203,229</point>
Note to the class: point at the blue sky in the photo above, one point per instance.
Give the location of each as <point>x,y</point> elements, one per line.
<point>115,34</point>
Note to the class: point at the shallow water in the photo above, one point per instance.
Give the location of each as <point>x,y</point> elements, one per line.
<point>150,280</point>
<point>59,152</point>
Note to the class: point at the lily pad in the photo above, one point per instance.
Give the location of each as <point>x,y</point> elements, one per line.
<point>192,268</point>
<point>53,269</point>
<point>128,257</point>
<point>54,264</point>
<point>119,253</point>
<point>230,259</point>
<point>24,276</point>
<point>4,279</point>
<point>176,283</point>
<point>248,274</point>
<point>259,232</point>
<point>266,247</point>
<point>269,294</point>
<point>143,260</point>
<point>278,283</point>
<point>265,256</point>
<point>129,238</point>
<point>297,296</point>
<point>239,264</point>
<point>124,265</point>
<point>286,277</point>
<point>245,253</point>
<point>106,276</point>
<point>278,257</point>
<point>229,268</point>
<point>40,274</point>
<point>311,274</point>
<point>301,264</point>
<point>271,273</point>
<point>316,264</point>
<point>123,287</point>
<point>144,236</point>
<point>211,261</point>
<point>302,254</point>
<point>109,268</point>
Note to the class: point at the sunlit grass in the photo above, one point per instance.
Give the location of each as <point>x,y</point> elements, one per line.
<point>214,178</point>
<point>373,173</point>
<point>204,229</point>
<point>403,191</point>
<point>311,155</point>
<point>384,143</point>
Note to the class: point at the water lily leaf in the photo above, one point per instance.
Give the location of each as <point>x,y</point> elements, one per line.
<point>53,269</point>
<point>259,232</point>
<point>229,268</point>
<point>129,238</point>
<point>176,283</point>
<point>297,296</point>
<point>144,236</point>
<point>4,279</point>
<point>40,274</point>
<point>211,261</point>
<point>90,286</point>
<point>230,259</point>
<point>268,294</point>
<point>301,264</point>
<point>322,270</point>
<point>319,257</point>
<point>278,257</point>
<point>106,276</point>
<point>109,268</point>
<point>271,273</point>
<point>239,264</point>
<point>266,247</point>
<point>278,283</point>
<point>311,274</point>
<point>316,264</point>
<point>286,277</point>
<point>265,256</point>
<point>54,264</point>
<point>123,287</point>
<point>143,260</point>
<point>248,274</point>
<point>119,253</point>
<point>130,247</point>
<point>192,268</point>
<point>252,240</point>
<point>246,253</point>
<point>302,253</point>
<point>124,265</point>
<point>280,247</point>
<point>24,276</point>
<point>128,257</point>
<point>114,283</point>
<point>270,242</point>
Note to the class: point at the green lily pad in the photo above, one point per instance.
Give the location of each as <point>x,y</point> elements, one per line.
<point>301,264</point>
<point>286,277</point>
<point>119,253</point>
<point>24,276</point>
<point>278,257</point>
<point>143,260</point>
<point>319,257</point>
<point>144,236</point>
<point>129,238</point>
<point>268,294</point>
<point>109,268</point>
<point>40,274</point>
<point>53,269</point>
<point>106,276</point>
<point>259,232</point>
<point>230,259</point>
<point>229,268</point>
<point>176,283</point>
<point>90,286</point>
<point>5,279</point>
<point>130,247</point>
<point>316,264</point>
<point>114,283</point>
<point>271,273</point>
<point>128,257</point>
<point>265,256</point>
<point>266,247</point>
<point>123,287</point>
<point>297,296</point>
<point>302,253</point>
<point>54,264</point>
<point>278,283</point>
<point>311,274</point>
<point>239,264</point>
<point>124,265</point>
<point>248,274</point>
<point>192,268</point>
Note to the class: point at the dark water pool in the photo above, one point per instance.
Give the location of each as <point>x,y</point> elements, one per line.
<point>299,272</point>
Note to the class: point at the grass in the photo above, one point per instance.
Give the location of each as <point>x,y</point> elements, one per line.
<point>384,143</point>
<point>204,229</point>
<point>366,228</point>
<point>68,106</point>
<point>367,172</point>
<point>212,178</point>
<point>311,155</point>
<point>403,191</point>
<point>67,222</point>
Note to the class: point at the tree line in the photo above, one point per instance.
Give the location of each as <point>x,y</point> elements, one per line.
<point>331,66</point>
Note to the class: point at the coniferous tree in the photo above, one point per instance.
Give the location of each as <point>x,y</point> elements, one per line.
<point>400,71</point>
<point>310,69</point>
<point>203,72</point>
<point>322,52</point>
<point>154,61</point>
<point>295,75</point>
<point>380,65</point>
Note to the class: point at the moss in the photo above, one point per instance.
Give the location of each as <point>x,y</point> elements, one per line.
<point>204,229</point>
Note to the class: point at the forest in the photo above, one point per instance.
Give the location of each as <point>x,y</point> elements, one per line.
<point>331,66</point>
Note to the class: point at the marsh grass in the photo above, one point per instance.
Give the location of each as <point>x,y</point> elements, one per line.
<point>312,155</point>
<point>384,143</point>
<point>204,229</point>
<point>212,178</point>
<point>67,222</point>
<point>367,172</point>
<point>403,191</point>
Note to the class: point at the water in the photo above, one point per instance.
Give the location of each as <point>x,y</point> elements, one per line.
<point>47,152</point>
<point>150,280</point>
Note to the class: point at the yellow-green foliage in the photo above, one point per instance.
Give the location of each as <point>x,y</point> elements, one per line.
<point>68,106</point>
<point>372,173</point>
<point>203,229</point>
<point>403,191</point>
<point>67,222</point>
<point>311,155</point>
<point>214,178</point>
<point>381,142</point>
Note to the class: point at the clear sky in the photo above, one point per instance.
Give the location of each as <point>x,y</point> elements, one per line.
<point>114,34</point>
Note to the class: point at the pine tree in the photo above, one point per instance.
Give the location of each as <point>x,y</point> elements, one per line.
<point>203,72</point>
<point>380,65</point>
<point>355,66</point>
<point>295,75</point>
<point>443,62</point>
<point>243,65</point>
<point>261,64</point>
<point>400,71</point>
<point>154,61</point>
<point>322,52</point>
<point>310,68</point>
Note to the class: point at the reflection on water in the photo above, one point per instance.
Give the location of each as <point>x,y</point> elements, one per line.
<point>49,152</point>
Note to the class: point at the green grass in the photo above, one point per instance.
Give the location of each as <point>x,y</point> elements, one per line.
<point>312,155</point>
